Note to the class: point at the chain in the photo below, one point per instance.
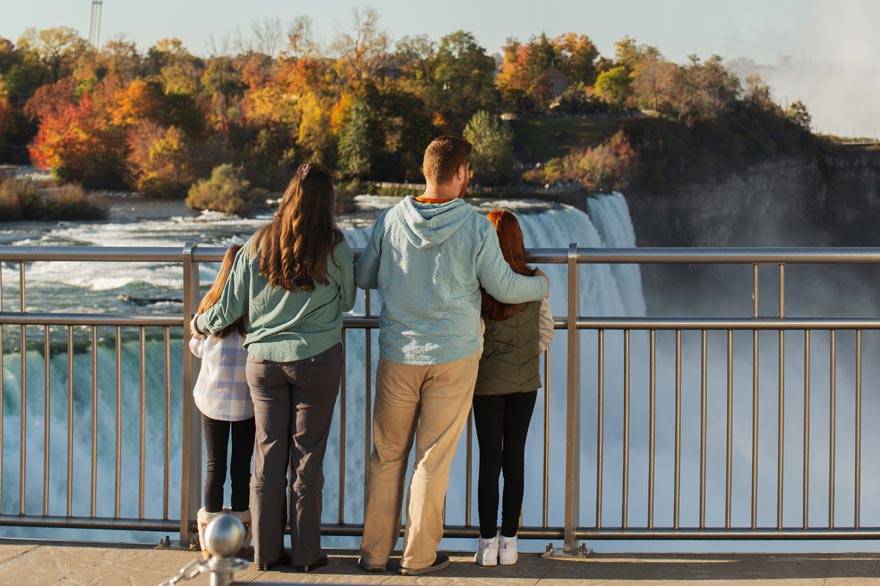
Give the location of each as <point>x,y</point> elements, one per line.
<point>187,572</point>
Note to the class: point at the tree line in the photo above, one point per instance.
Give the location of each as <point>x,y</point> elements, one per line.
<point>160,120</point>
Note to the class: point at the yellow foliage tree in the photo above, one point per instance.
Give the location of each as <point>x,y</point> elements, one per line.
<point>314,127</point>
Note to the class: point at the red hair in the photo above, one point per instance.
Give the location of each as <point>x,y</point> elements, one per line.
<point>513,249</point>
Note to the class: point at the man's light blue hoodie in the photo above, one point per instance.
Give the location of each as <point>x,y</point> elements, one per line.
<point>428,262</point>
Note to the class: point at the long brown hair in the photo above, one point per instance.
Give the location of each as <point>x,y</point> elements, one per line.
<point>213,295</point>
<point>513,249</point>
<point>294,248</point>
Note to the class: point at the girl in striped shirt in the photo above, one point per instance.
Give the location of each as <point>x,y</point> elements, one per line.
<point>221,394</point>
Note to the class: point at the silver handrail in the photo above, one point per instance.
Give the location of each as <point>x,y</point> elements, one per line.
<point>572,529</point>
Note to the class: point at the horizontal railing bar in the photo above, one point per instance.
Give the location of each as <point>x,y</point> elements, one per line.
<point>96,253</point>
<point>741,255</point>
<point>658,255</point>
<point>458,531</point>
<point>678,323</point>
<point>87,319</point>
<point>728,534</point>
<point>57,522</point>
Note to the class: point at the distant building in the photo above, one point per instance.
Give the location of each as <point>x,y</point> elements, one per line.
<point>557,81</point>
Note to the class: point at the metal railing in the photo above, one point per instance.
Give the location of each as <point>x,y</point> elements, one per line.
<point>572,528</point>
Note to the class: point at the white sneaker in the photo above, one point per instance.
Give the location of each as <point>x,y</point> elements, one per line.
<point>508,554</point>
<point>487,552</point>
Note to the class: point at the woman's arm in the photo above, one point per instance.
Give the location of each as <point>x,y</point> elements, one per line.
<point>233,300</point>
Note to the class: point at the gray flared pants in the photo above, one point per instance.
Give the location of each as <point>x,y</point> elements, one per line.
<point>293,408</point>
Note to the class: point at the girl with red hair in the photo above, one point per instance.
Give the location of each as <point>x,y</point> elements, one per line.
<point>504,397</point>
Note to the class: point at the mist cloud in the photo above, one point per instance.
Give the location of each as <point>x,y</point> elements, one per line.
<point>837,72</point>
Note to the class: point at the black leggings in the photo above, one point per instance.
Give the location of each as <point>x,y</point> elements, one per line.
<point>502,423</point>
<point>216,441</point>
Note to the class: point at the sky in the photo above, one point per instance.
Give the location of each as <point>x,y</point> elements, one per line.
<point>823,32</point>
<point>760,29</point>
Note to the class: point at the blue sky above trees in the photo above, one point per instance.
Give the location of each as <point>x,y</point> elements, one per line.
<point>752,28</point>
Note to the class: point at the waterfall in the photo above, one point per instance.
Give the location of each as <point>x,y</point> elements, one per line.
<point>605,291</point>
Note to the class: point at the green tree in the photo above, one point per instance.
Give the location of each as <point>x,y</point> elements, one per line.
<point>357,142</point>
<point>463,80</point>
<point>612,86</point>
<point>225,191</point>
<point>492,156</point>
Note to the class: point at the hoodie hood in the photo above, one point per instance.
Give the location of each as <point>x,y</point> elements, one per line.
<point>429,225</point>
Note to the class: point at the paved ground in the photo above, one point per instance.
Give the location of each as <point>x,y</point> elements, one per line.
<point>30,563</point>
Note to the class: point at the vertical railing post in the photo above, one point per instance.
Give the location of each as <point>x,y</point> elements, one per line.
<point>573,407</point>
<point>191,437</point>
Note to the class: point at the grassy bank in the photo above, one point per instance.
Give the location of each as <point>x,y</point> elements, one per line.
<point>540,138</point>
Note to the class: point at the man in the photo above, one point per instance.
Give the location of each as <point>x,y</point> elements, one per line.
<point>428,256</point>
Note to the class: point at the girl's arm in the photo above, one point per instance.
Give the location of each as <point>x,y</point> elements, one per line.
<point>545,325</point>
<point>233,301</point>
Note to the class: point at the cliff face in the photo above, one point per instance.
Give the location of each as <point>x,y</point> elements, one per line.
<point>830,201</point>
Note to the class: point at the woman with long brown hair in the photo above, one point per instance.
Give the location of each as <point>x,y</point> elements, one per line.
<point>504,398</point>
<point>293,279</point>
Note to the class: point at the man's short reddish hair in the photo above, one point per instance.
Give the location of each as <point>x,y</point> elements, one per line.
<point>443,157</point>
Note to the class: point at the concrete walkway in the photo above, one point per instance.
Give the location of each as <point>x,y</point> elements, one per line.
<point>32,563</point>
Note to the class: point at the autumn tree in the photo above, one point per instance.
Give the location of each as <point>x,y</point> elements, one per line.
<point>522,79</point>
<point>706,90</point>
<point>363,50</point>
<point>56,48</point>
<point>120,57</point>
<point>159,161</point>
<point>313,134</point>
<point>78,143</point>
<point>654,83</point>
<point>179,70</point>
<point>221,83</point>
<point>575,56</point>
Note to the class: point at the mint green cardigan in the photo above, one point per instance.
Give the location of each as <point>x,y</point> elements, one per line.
<point>284,326</point>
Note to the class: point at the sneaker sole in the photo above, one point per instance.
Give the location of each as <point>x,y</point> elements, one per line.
<point>428,570</point>
<point>484,564</point>
<point>373,569</point>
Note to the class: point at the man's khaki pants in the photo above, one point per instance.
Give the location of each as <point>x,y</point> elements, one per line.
<point>431,403</point>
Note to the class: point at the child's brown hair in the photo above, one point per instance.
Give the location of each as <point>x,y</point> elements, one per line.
<point>213,295</point>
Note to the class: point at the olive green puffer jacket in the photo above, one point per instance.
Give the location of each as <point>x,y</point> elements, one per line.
<point>512,349</point>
